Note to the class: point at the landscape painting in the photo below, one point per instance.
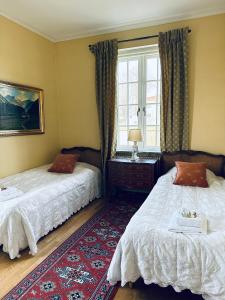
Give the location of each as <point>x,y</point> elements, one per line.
<point>21,109</point>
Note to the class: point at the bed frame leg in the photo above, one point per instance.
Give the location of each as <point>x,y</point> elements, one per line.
<point>130,285</point>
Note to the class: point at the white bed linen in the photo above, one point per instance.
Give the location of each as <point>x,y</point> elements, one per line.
<point>148,250</point>
<point>48,200</point>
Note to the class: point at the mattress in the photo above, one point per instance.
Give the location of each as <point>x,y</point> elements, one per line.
<point>48,200</point>
<point>148,250</point>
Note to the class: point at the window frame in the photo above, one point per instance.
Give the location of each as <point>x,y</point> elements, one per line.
<point>142,54</point>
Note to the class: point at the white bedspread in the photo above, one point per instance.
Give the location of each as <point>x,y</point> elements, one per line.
<point>48,200</point>
<point>148,250</point>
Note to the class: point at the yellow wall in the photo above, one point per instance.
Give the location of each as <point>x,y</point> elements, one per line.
<point>29,59</point>
<point>66,72</point>
<point>76,84</point>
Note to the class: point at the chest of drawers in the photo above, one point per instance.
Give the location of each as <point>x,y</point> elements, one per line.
<point>140,175</point>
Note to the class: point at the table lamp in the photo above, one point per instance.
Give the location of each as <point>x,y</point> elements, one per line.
<point>134,135</point>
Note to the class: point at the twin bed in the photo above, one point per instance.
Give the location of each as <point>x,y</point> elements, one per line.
<point>148,250</point>
<point>47,201</point>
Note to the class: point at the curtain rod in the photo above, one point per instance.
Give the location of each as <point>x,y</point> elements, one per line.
<point>140,38</point>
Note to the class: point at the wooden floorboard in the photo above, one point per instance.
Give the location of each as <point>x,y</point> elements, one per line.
<point>12,271</point>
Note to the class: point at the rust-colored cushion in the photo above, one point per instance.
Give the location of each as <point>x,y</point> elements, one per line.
<point>191,174</point>
<point>64,163</point>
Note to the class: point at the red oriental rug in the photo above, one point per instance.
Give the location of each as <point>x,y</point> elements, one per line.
<point>78,268</point>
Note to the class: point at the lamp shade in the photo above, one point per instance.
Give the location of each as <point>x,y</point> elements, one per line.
<point>134,135</point>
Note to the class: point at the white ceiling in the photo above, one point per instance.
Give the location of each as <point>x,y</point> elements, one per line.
<point>67,19</point>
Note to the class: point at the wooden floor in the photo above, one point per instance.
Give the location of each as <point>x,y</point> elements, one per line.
<point>12,271</point>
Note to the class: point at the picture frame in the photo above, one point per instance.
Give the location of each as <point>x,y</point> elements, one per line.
<point>21,109</point>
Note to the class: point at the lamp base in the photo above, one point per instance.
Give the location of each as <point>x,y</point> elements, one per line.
<point>134,156</point>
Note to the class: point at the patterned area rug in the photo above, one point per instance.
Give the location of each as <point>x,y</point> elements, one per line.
<point>78,268</point>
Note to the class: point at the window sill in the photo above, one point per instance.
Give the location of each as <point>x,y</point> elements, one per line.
<point>140,149</point>
<point>141,154</point>
<point>146,150</point>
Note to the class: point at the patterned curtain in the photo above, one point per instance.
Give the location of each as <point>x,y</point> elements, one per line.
<point>106,54</point>
<point>173,50</point>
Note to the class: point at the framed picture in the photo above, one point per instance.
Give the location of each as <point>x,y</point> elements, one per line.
<point>21,109</point>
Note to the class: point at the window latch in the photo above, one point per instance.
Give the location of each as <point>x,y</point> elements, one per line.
<point>144,111</point>
<point>138,111</point>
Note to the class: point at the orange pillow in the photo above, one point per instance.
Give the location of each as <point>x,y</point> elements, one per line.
<point>64,163</point>
<point>191,174</point>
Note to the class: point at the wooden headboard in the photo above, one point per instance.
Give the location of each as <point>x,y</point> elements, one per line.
<point>215,163</point>
<point>88,155</point>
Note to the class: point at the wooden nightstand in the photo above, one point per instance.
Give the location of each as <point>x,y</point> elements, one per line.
<point>125,174</point>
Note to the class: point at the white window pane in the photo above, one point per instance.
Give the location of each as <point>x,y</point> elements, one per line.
<point>123,137</point>
<point>151,92</point>
<point>138,85</point>
<point>159,91</point>
<point>152,68</point>
<point>158,137</point>
<point>159,70</point>
<point>151,136</point>
<point>133,93</point>
<point>151,114</point>
<point>122,71</point>
<point>122,115</point>
<point>133,70</point>
<point>133,119</point>
<point>158,114</point>
<point>122,99</point>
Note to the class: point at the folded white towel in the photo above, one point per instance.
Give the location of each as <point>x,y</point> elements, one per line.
<point>10,193</point>
<point>189,222</point>
<point>188,226</point>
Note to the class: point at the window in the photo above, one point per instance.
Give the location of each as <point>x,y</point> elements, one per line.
<point>138,97</point>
